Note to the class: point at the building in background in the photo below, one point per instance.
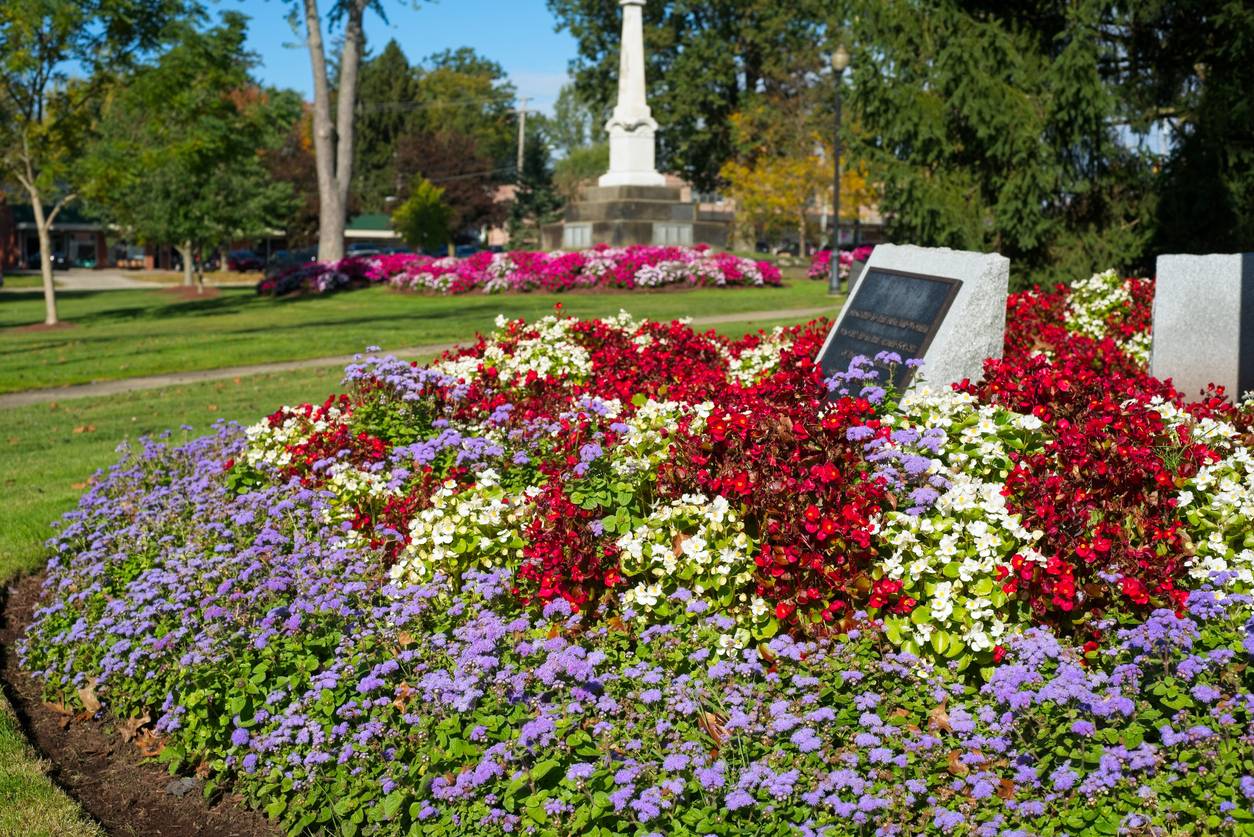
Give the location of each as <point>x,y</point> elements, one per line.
<point>77,239</point>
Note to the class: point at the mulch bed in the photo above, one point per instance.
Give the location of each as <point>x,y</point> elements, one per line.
<point>37,327</point>
<point>108,776</point>
<point>183,292</point>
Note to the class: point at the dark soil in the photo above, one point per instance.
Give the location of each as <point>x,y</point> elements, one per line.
<point>183,292</point>
<point>37,327</point>
<point>108,776</point>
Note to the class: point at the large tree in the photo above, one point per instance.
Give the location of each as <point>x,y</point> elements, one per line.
<point>452,162</point>
<point>1186,72</point>
<point>177,158</point>
<point>454,94</point>
<point>333,137</point>
<point>994,126</point>
<point>57,58</point>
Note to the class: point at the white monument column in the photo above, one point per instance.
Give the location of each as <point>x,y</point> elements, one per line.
<point>631,128</point>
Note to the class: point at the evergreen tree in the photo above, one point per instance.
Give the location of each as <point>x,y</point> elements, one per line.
<point>387,94</point>
<point>993,127</point>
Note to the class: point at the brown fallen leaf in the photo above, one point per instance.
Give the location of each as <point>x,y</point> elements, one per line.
<point>87,694</point>
<point>1006,790</point>
<point>213,408</point>
<point>66,713</point>
<point>403,696</point>
<point>78,486</point>
<point>236,380</point>
<point>149,743</point>
<point>956,766</point>
<point>938,718</point>
<point>85,428</point>
<point>13,440</point>
<point>712,724</point>
<point>130,727</point>
<point>52,405</point>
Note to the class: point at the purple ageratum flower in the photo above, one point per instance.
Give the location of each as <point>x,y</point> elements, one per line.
<point>859,434</point>
<point>712,777</point>
<point>1084,728</point>
<point>946,820</point>
<point>1064,778</point>
<point>1205,694</point>
<point>873,394</point>
<point>738,799</point>
<point>579,771</point>
<point>239,737</point>
<point>805,740</point>
<point>675,762</point>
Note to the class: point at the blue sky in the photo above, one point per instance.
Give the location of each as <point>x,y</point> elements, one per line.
<point>517,34</point>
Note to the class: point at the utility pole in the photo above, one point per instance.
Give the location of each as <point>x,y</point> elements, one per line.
<point>522,134</point>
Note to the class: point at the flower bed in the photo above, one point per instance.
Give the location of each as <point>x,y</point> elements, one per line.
<point>619,577</point>
<point>623,268</point>
<point>821,261</point>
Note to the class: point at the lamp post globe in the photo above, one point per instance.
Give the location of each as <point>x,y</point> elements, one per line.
<point>840,62</point>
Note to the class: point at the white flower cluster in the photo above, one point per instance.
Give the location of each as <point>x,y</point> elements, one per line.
<point>753,364</point>
<point>549,350</point>
<point>1093,300</point>
<point>1218,502</point>
<point>947,561</point>
<point>646,442</point>
<point>946,557</point>
<point>475,527</point>
<point>699,545</point>
<point>978,438</point>
<point>352,488</point>
<point>267,444</point>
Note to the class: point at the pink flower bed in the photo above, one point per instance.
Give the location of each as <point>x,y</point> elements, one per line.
<point>821,262</point>
<point>600,267</point>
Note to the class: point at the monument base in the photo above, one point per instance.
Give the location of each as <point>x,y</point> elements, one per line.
<point>621,216</point>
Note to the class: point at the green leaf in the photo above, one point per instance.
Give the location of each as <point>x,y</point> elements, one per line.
<point>392,804</point>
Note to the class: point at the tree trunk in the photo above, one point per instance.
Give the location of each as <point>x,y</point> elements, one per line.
<point>333,142</point>
<point>185,251</point>
<point>330,213</point>
<point>43,227</point>
<point>801,235</point>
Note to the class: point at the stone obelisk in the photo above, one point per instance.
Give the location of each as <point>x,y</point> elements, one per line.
<point>631,203</point>
<point>632,129</point>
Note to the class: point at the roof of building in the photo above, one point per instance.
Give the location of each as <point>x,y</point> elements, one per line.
<point>370,222</point>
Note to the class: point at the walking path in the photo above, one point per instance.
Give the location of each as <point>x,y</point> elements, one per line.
<point>43,396</point>
<point>83,279</point>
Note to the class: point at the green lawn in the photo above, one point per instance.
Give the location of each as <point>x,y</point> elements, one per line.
<point>26,281</point>
<point>122,334</point>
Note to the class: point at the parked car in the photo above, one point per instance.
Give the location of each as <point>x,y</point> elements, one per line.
<point>463,251</point>
<point>361,251</point>
<point>241,261</point>
<point>59,262</point>
<point>283,260</point>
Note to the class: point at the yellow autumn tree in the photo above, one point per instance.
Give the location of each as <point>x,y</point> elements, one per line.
<point>775,192</point>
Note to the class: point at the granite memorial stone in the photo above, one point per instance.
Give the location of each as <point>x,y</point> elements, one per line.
<point>946,307</point>
<point>1204,322</point>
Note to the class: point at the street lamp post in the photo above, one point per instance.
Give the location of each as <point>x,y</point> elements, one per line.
<point>840,61</point>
